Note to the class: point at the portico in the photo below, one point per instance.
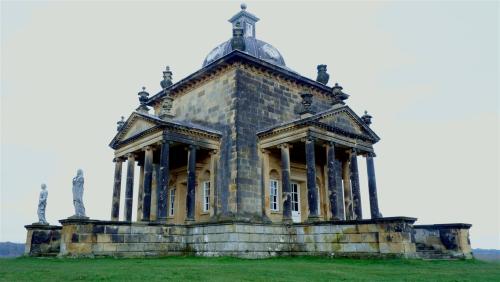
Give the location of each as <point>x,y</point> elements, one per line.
<point>172,158</point>
<point>325,157</point>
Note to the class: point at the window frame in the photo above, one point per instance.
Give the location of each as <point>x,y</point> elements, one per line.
<point>171,201</point>
<point>206,196</point>
<point>274,201</point>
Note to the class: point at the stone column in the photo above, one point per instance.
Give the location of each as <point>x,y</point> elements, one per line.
<point>334,189</point>
<point>140,194</point>
<point>191,183</point>
<point>213,183</point>
<point>285,179</point>
<point>312,193</point>
<point>117,187</point>
<point>148,178</point>
<point>154,192</point>
<point>265,183</point>
<point>163,182</point>
<point>346,180</point>
<point>356,193</point>
<point>372,186</point>
<point>129,189</point>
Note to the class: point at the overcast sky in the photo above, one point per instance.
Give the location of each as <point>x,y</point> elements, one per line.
<point>427,72</point>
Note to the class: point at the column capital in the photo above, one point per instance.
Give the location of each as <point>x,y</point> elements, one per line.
<point>265,151</point>
<point>163,141</point>
<point>309,139</point>
<point>354,151</point>
<point>149,147</point>
<point>118,159</point>
<point>130,156</point>
<point>284,146</point>
<point>371,154</point>
<point>213,152</point>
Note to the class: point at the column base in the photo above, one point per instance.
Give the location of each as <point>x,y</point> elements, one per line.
<point>286,220</point>
<point>189,221</point>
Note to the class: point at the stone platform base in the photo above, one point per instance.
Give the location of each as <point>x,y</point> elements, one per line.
<point>42,240</point>
<point>384,237</point>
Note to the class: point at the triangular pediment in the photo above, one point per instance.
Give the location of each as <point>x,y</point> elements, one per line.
<point>344,119</point>
<point>134,126</point>
<point>137,126</point>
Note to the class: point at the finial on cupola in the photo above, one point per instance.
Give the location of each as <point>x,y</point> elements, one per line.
<point>120,124</point>
<point>167,78</point>
<point>143,99</point>
<point>238,42</point>
<point>366,118</point>
<point>323,76</point>
<point>306,105</point>
<point>338,96</point>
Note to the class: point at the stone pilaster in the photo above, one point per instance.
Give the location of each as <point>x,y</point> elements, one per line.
<point>334,189</point>
<point>163,182</point>
<point>129,189</point>
<point>372,186</point>
<point>191,184</point>
<point>356,192</point>
<point>346,180</point>
<point>285,179</point>
<point>148,178</point>
<point>117,187</point>
<point>312,193</point>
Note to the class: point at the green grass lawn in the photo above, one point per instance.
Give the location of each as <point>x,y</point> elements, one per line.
<point>233,269</point>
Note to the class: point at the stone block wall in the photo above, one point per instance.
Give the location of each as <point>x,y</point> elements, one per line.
<point>390,237</point>
<point>42,240</point>
<point>443,241</point>
<point>263,100</point>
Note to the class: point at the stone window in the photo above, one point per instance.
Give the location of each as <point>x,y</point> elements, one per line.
<point>206,196</point>
<point>274,192</point>
<point>171,205</point>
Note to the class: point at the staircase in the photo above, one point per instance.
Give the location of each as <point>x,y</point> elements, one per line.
<point>429,253</point>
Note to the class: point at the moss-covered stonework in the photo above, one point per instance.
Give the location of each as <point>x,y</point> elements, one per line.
<point>42,240</point>
<point>443,241</point>
<point>390,237</point>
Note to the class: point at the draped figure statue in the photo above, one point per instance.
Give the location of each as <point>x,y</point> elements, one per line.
<point>78,194</point>
<point>42,203</point>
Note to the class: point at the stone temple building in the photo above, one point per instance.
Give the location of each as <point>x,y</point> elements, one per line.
<point>246,157</point>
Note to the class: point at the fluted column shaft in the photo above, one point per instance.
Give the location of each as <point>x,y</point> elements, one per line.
<point>356,193</point>
<point>312,193</point>
<point>372,186</point>
<point>129,189</point>
<point>117,186</point>
<point>285,179</point>
<point>163,181</point>
<point>334,189</point>
<point>191,183</point>
<point>148,179</point>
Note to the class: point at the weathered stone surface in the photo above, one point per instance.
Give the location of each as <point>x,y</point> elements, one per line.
<point>367,238</point>
<point>78,195</point>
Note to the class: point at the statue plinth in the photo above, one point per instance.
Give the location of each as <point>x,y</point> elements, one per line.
<point>78,217</point>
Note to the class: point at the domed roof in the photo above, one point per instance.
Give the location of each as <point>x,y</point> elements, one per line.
<point>244,29</point>
<point>253,46</point>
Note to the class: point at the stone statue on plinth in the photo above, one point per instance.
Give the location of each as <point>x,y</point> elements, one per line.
<point>78,195</point>
<point>42,203</point>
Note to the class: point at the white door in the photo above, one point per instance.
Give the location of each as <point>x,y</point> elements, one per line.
<point>295,202</point>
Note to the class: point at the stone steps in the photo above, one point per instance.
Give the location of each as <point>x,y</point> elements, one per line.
<point>433,255</point>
